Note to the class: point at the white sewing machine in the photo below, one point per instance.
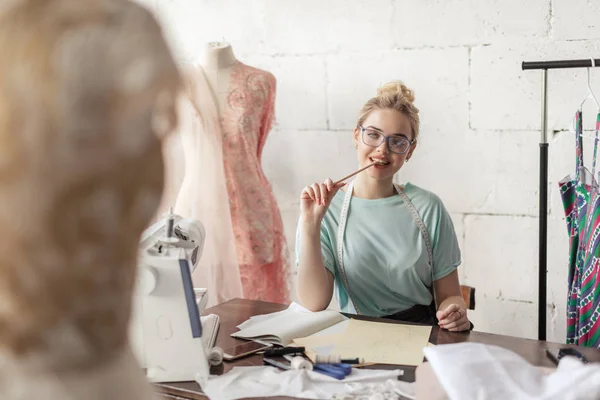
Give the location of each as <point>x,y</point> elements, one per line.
<point>166,330</point>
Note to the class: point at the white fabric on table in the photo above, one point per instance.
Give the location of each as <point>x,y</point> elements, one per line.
<point>477,371</point>
<point>267,381</point>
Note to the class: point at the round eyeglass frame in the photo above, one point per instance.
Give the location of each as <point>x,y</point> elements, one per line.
<point>385,139</point>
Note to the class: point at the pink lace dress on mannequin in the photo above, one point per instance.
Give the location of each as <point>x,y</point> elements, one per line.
<point>229,149</point>
<point>258,228</point>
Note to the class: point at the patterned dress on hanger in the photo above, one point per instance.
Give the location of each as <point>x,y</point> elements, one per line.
<point>258,228</point>
<point>581,200</point>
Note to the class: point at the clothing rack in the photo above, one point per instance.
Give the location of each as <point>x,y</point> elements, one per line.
<point>543,188</point>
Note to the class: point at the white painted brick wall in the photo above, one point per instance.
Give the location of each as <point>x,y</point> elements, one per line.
<point>505,97</point>
<point>480,171</point>
<point>459,227</point>
<point>317,26</point>
<point>301,101</point>
<point>500,258</point>
<point>296,158</point>
<point>468,22</point>
<point>575,19</point>
<point>189,24</point>
<point>480,115</point>
<point>438,77</point>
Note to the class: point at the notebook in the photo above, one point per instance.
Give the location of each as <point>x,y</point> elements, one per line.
<point>282,327</point>
<point>210,329</point>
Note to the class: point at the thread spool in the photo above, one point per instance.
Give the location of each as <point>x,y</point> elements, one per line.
<point>300,363</point>
<point>170,225</point>
<point>215,356</point>
<point>329,359</point>
<point>335,359</point>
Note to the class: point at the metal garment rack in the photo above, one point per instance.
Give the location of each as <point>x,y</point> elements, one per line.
<point>543,189</point>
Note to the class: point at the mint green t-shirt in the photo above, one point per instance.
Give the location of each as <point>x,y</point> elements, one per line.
<point>385,256</point>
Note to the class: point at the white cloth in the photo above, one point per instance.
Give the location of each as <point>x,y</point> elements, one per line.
<point>389,390</point>
<point>478,371</point>
<point>242,382</point>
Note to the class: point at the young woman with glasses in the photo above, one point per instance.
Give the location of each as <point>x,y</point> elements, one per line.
<point>386,250</point>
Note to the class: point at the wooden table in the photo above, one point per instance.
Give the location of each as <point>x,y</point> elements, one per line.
<point>234,312</point>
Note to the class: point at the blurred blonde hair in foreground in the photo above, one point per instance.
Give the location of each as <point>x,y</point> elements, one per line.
<point>87,92</point>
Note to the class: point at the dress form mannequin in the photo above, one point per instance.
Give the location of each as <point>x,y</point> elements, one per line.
<point>80,178</point>
<point>218,59</point>
<point>218,62</point>
<point>243,98</point>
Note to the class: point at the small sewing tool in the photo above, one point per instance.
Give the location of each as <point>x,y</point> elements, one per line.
<point>332,370</point>
<point>345,368</point>
<point>280,351</point>
<point>301,363</point>
<point>338,371</point>
<point>356,172</point>
<point>334,359</point>
<point>276,364</point>
<point>295,363</point>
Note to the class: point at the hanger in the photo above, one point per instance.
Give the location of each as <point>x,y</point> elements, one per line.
<point>590,94</point>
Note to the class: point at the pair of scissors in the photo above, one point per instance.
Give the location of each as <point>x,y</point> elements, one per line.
<point>337,371</point>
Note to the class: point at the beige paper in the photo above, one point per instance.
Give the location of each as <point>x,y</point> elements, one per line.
<point>315,341</point>
<point>383,343</point>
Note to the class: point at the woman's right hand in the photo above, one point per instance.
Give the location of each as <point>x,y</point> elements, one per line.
<point>315,199</point>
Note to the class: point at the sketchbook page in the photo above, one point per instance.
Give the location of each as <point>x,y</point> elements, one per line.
<point>258,319</point>
<point>334,329</point>
<point>263,317</point>
<point>282,328</point>
<point>383,343</point>
<point>321,342</point>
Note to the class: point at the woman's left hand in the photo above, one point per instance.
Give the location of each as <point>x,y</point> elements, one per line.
<point>453,318</point>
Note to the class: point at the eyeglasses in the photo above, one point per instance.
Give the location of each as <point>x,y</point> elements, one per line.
<point>396,144</point>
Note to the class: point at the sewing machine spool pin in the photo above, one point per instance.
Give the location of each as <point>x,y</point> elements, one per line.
<point>169,237</point>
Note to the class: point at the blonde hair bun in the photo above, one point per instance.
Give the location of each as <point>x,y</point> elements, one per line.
<point>393,95</point>
<point>396,88</point>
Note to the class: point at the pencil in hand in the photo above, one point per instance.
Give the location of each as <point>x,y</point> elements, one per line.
<point>354,173</point>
